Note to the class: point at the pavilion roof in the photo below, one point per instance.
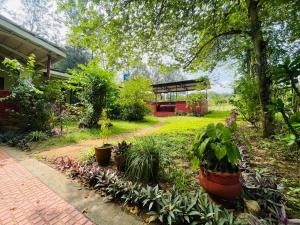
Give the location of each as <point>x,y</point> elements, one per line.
<point>179,86</point>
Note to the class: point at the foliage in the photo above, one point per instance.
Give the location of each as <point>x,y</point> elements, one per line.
<point>169,207</point>
<point>39,17</point>
<point>105,124</point>
<point>22,140</point>
<point>132,99</point>
<point>194,100</point>
<point>88,156</point>
<point>76,55</point>
<point>94,87</point>
<point>208,32</point>
<point>287,96</point>
<point>262,187</point>
<point>217,98</point>
<point>142,160</point>
<point>246,99</point>
<point>214,149</point>
<point>122,148</point>
<point>35,99</point>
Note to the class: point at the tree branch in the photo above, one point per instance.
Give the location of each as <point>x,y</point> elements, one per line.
<point>231,32</point>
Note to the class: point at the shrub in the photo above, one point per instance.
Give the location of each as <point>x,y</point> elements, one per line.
<point>246,99</point>
<point>195,99</point>
<point>95,88</point>
<point>135,111</point>
<point>133,95</point>
<point>35,99</point>
<point>142,160</point>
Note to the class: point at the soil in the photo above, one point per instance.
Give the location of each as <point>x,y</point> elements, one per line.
<point>74,151</point>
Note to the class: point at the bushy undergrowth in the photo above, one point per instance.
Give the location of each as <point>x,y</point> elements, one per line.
<point>22,140</point>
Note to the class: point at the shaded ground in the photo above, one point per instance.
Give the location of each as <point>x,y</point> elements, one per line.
<point>274,157</point>
<point>74,151</point>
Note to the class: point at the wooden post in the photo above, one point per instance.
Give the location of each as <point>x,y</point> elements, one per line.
<point>48,67</point>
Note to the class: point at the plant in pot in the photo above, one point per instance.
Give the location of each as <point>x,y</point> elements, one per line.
<point>215,152</point>
<point>103,153</point>
<point>120,150</point>
<point>142,160</point>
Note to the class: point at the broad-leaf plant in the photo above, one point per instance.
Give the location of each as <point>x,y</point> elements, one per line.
<point>214,149</point>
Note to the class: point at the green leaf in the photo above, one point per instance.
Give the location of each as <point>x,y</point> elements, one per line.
<point>233,154</point>
<point>203,146</point>
<point>211,130</point>
<point>219,150</point>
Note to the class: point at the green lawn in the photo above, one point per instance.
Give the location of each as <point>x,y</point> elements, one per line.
<point>75,134</point>
<point>187,124</point>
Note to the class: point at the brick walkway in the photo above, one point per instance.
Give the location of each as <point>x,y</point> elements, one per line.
<point>25,200</point>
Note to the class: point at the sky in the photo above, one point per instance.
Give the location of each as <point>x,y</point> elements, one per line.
<point>221,77</point>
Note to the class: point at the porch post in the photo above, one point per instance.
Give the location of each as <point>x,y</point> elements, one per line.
<point>48,67</point>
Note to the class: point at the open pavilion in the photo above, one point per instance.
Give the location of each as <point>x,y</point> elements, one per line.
<point>166,101</point>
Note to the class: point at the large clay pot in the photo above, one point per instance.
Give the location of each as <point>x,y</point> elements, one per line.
<point>103,154</point>
<point>222,185</point>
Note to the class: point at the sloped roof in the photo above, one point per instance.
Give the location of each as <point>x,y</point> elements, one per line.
<point>17,42</point>
<point>180,86</point>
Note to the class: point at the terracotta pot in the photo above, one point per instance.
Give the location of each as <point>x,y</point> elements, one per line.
<point>120,162</point>
<point>103,154</point>
<point>222,185</point>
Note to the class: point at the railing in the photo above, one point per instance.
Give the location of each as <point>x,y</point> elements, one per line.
<point>4,93</point>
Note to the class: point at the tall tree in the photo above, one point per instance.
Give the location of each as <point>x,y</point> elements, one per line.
<point>187,33</point>
<point>41,19</point>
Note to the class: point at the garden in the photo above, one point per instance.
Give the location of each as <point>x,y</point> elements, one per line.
<point>237,164</point>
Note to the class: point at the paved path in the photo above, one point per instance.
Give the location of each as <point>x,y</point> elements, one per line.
<point>85,200</point>
<point>25,200</point>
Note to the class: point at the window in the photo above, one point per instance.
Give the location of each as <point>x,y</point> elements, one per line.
<point>1,83</point>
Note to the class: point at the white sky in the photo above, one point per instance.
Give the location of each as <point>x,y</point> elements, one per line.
<point>221,78</point>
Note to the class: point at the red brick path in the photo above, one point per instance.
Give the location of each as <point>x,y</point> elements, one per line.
<point>25,200</point>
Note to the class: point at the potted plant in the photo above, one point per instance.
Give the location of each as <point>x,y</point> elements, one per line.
<point>217,156</point>
<point>120,151</point>
<point>103,153</point>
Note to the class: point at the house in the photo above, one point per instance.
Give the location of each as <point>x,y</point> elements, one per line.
<point>18,43</point>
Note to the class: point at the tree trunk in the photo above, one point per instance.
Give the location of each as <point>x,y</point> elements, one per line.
<point>260,68</point>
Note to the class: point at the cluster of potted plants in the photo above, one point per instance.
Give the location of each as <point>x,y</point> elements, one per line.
<point>140,163</point>
<point>215,152</point>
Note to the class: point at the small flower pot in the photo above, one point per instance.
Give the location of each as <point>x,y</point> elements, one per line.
<point>222,185</point>
<point>103,154</point>
<point>120,162</point>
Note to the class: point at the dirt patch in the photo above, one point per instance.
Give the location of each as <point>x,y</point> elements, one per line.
<point>74,151</point>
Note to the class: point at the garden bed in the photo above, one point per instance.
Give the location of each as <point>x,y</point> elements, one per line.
<point>178,187</point>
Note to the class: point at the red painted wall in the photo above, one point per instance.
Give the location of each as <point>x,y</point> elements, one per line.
<point>180,107</point>
<point>4,109</point>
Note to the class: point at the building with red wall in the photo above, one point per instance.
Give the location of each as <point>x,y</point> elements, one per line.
<point>172,107</point>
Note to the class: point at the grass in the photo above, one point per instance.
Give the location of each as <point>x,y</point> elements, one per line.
<point>75,134</point>
<point>220,107</point>
<point>188,124</point>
